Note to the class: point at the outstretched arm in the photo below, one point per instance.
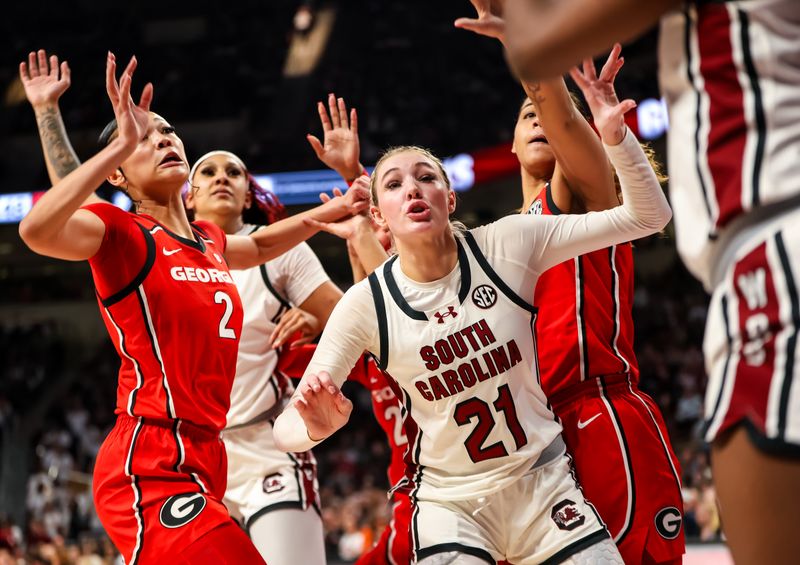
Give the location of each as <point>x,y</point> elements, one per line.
<point>318,408</point>
<point>55,226</point>
<point>545,38</point>
<point>582,178</point>
<point>44,84</point>
<point>359,232</point>
<point>245,251</point>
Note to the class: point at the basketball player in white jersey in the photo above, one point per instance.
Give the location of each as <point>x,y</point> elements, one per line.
<point>730,74</point>
<point>273,494</point>
<point>449,318</point>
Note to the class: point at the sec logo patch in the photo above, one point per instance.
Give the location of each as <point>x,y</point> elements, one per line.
<point>484,296</point>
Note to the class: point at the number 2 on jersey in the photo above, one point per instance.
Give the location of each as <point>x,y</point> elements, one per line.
<point>476,408</point>
<point>224,331</point>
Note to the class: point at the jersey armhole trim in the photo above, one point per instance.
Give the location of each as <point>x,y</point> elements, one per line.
<point>265,277</point>
<point>494,277</point>
<point>551,204</point>
<point>383,328</point>
<point>150,258</point>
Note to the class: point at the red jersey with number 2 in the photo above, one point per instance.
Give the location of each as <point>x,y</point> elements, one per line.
<point>587,332</point>
<point>173,314</point>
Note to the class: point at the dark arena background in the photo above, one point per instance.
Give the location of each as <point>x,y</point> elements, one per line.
<point>246,76</point>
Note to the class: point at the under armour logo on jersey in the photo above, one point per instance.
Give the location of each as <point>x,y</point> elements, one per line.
<point>484,296</point>
<point>168,252</point>
<point>668,522</point>
<point>536,207</point>
<point>567,516</point>
<point>272,483</point>
<point>451,311</point>
<point>181,509</point>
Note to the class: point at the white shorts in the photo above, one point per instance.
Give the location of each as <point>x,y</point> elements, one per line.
<point>751,350</point>
<point>261,478</point>
<point>541,518</point>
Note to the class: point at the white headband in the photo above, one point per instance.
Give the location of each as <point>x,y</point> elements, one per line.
<point>212,154</point>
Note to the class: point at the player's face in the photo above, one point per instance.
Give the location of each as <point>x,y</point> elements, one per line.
<point>158,163</point>
<point>413,197</point>
<point>219,187</point>
<point>530,143</point>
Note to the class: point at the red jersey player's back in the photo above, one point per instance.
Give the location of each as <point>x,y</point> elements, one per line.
<point>156,302</point>
<point>587,332</point>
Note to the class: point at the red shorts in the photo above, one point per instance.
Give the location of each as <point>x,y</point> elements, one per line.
<point>625,466</point>
<point>394,545</point>
<point>157,488</point>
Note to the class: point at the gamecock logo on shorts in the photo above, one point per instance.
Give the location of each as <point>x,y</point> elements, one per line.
<point>181,509</point>
<point>484,296</point>
<point>567,516</point>
<point>668,522</point>
<point>272,483</point>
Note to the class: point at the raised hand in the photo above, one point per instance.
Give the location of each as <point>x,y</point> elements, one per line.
<point>44,84</point>
<point>488,23</point>
<point>340,148</point>
<point>293,321</point>
<point>322,406</point>
<point>608,112</point>
<point>133,120</point>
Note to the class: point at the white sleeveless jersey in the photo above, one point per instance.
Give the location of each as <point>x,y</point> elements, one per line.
<point>465,371</point>
<point>267,291</point>
<point>730,73</point>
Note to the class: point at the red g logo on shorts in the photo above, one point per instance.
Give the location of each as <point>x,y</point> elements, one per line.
<point>181,509</point>
<point>567,516</point>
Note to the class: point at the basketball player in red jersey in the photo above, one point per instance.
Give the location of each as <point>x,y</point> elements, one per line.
<point>615,432</point>
<point>174,315</point>
<point>730,74</point>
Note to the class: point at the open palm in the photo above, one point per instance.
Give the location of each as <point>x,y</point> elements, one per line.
<point>43,83</point>
<point>607,111</point>
<point>340,148</point>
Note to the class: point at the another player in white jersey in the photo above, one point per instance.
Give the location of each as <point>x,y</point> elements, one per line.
<point>730,74</point>
<point>274,494</point>
<point>450,319</point>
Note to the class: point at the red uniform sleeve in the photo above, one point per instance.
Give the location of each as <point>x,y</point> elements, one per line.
<point>216,233</point>
<point>122,253</point>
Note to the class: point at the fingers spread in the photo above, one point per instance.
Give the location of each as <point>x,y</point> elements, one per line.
<point>343,113</point>
<point>323,117</point>
<point>333,110</point>
<point>42,56</point>
<point>33,65</point>
<point>315,144</point>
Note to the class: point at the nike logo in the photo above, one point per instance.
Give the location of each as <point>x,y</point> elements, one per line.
<point>582,425</point>
<point>169,252</point>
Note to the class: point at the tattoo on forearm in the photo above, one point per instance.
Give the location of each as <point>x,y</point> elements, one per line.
<point>536,93</point>
<point>56,143</point>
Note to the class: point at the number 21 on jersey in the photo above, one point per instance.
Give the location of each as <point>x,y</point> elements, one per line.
<point>475,408</point>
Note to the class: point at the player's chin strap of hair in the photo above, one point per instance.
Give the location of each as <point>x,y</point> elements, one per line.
<point>227,154</point>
